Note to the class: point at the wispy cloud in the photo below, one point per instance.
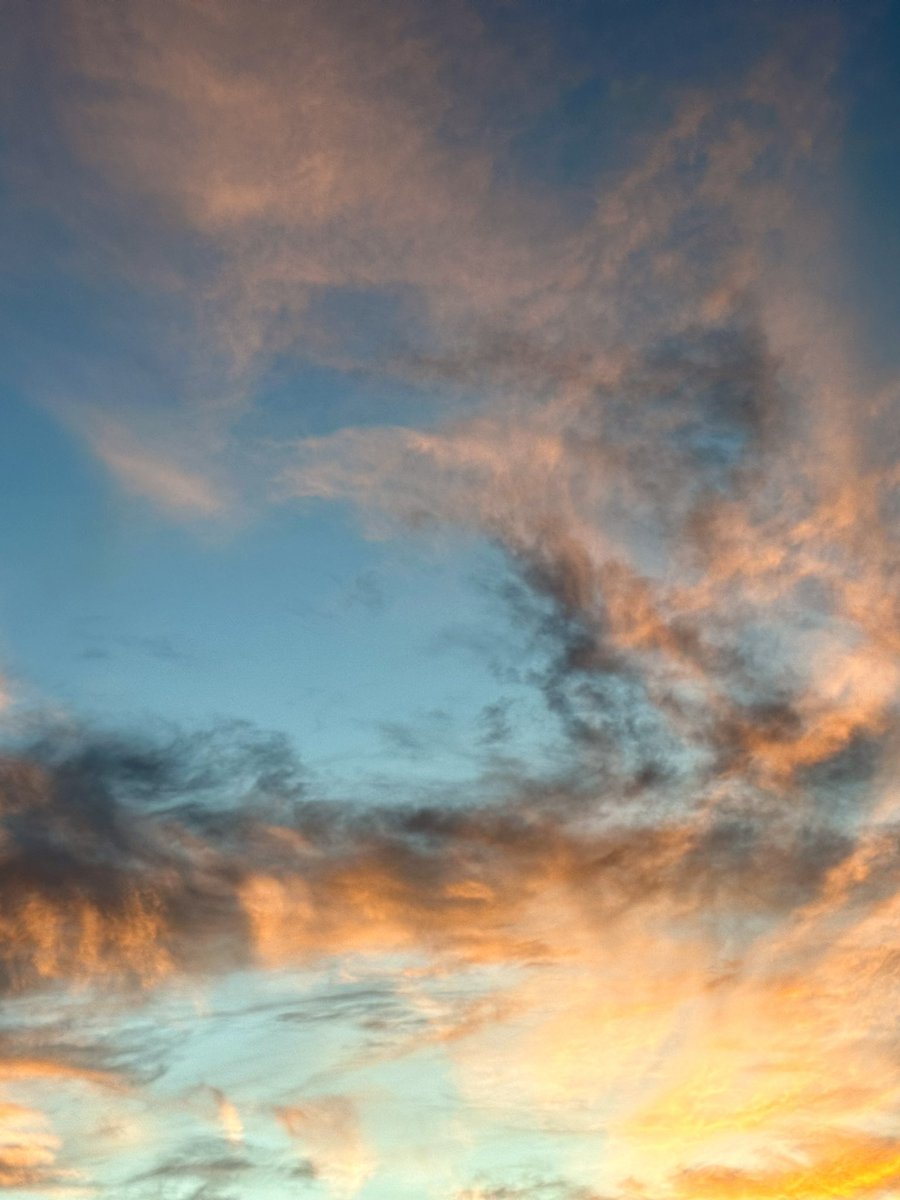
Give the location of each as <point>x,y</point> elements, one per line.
<point>27,1149</point>
<point>144,472</point>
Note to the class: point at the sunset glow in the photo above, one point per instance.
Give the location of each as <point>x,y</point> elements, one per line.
<point>449,608</point>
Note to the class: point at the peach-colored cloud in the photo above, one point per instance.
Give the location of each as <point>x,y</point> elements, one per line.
<point>318,162</point>
<point>229,1119</point>
<point>31,1149</point>
<point>44,1068</point>
<point>146,472</point>
<point>28,1149</point>
<point>315,149</point>
<point>47,941</point>
<point>328,1132</point>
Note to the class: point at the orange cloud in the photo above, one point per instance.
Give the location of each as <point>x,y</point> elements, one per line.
<point>28,1150</point>
<point>847,1167</point>
<point>230,1119</point>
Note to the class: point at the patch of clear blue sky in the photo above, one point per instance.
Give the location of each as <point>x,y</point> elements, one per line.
<point>366,654</point>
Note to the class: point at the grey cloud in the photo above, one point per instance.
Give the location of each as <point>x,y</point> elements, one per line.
<point>151,849</point>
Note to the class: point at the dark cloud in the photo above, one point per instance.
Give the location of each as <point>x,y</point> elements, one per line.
<point>367,591</point>
<point>134,860</point>
<point>201,1165</point>
<point>541,1189</point>
<point>419,739</point>
<point>203,1159</point>
<point>495,724</point>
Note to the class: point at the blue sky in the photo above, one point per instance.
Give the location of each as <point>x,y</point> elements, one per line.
<point>449,637</point>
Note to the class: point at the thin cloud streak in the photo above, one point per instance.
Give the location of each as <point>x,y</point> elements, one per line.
<point>141,473</point>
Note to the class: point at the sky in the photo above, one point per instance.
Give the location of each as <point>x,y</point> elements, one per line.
<point>449,609</point>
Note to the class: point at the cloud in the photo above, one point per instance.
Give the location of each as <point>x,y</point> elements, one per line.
<point>302,161</point>
<point>140,860</point>
<point>230,1118</point>
<point>666,460</point>
<point>27,1149</point>
<point>540,1190</point>
<point>201,1165</point>
<point>673,977</point>
<point>144,473</point>
<point>327,1129</point>
<point>859,1166</point>
<point>244,196</point>
<point>30,1147</point>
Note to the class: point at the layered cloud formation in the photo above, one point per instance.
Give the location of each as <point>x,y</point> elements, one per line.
<point>663,968</point>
